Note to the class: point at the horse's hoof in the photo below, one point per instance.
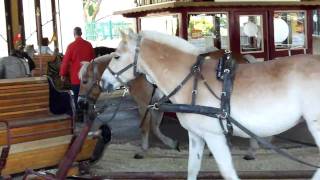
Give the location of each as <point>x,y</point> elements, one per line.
<point>248,157</point>
<point>138,156</point>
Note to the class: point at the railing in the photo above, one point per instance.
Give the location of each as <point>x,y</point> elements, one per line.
<point>147,2</point>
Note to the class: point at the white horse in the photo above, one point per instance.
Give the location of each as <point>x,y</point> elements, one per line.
<point>268,98</point>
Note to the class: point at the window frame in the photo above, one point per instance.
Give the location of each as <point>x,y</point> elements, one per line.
<point>305,30</point>
<point>212,13</point>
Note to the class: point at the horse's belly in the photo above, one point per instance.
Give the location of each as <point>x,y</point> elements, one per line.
<point>267,120</point>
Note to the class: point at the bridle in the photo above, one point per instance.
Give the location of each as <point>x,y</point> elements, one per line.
<point>134,64</point>
<point>95,83</point>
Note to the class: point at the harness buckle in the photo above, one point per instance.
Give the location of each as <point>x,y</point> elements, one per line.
<point>223,93</point>
<point>223,115</point>
<point>196,69</point>
<point>154,106</point>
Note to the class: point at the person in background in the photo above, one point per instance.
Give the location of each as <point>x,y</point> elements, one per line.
<point>44,48</point>
<point>79,50</point>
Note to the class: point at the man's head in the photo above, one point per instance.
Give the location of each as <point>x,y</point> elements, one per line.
<point>77,32</point>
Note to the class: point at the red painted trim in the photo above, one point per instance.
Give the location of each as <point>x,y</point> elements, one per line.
<point>236,33</point>
<point>234,11</point>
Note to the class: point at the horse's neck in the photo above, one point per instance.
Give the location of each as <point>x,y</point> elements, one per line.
<point>166,65</point>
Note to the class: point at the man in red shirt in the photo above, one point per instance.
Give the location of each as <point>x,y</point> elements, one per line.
<point>79,50</point>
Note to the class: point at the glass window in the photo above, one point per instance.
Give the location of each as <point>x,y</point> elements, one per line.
<point>30,27</point>
<point>251,33</point>
<point>316,22</point>
<point>166,24</point>
<point>289,30</point>
<point>208,31</point>
<point>3,32</point>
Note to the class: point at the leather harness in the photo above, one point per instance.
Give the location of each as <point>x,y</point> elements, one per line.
<point>225,72</point>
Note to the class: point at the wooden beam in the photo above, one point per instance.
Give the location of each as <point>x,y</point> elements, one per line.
<point>54,22</point>
<point>37,13</point>
<point>43,153</point>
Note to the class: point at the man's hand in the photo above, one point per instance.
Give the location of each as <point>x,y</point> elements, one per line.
<point>63,78</point>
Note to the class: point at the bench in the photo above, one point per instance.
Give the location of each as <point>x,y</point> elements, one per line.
<point>38,137</point>
<point>41,62</point>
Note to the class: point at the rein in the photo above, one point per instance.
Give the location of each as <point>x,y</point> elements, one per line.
<point>225,73</point>
<point>134,64</point>
<point>95,83</point>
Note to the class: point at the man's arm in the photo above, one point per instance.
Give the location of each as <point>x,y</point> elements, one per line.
<point>65,63</point>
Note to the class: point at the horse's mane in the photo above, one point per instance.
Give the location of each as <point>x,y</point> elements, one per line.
<point>172,41</point>
<point>83,69</point>
<point>85,64</point>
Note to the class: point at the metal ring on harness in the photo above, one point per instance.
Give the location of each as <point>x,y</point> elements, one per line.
<point>154,106</point>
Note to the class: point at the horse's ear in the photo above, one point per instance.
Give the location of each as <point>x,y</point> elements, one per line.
<point>123,35</point>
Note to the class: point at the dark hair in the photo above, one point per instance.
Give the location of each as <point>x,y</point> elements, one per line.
<point>77,31</point>
<point>45,41</point>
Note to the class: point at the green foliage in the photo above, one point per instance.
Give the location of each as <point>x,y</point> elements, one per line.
<point>203,24</point>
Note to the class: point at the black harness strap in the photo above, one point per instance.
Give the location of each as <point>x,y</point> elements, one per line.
<point>195,69</point>
<point>148,109</point>
<point>225,72</point>
<point>214,112</point>
<point>95,82</point>
<point>134,64</point>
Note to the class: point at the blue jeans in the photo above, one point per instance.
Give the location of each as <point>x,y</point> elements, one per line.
<point>75,89</point>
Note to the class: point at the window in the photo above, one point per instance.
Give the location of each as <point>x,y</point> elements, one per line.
<point>251,33</point>
<point>3,32</point>
<point>289,29</point>
<point>166,24</point>
<point>316,22</point>
<point>208,31</point>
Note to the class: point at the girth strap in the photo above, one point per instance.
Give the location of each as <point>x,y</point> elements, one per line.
<point>214,112</point>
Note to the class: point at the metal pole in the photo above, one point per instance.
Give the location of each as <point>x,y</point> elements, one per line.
<point>60,26</point>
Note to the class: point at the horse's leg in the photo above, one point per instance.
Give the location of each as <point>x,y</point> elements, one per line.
<point>196,146</point>
<point>252,150</point>
<point>218,146</point>
<point>314,128</point>
<point>145,132</point>
<point>156,119</point>
<point>253,147</point>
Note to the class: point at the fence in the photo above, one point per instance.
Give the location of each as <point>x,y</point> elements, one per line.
<point>105,30</point>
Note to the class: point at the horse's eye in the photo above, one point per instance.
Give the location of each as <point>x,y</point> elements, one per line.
<point>117,57</point>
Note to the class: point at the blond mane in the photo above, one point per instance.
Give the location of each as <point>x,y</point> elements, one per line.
<point>85,64</point>
<point>83,69</point>
<point>172,41</point>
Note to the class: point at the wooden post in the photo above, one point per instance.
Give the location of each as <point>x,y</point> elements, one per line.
<point>38,21</point>
<point>21,23</point>
<point>7,4</point>
<point>54,23</point>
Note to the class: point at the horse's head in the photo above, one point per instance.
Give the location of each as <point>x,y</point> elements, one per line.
<point>123,66</point>
<point>90,76</point>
